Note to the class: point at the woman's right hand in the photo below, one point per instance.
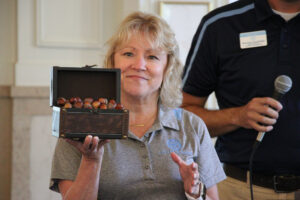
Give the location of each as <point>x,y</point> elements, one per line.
<point>92,148</point>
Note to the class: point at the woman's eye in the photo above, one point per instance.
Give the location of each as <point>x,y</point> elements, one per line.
<point>153,57</point>
<point>128,54</point>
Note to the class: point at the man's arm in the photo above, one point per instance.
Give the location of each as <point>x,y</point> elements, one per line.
<point>218,122</point>
<point>252,115</point>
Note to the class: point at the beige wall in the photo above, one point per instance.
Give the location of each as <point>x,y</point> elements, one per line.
<point>33,144</point>
<point>7,41</point>
<point>5,142</point>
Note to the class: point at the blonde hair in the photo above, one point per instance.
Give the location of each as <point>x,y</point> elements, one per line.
<point>161,36</point>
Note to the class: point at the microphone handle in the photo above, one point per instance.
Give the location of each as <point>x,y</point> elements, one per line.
<point>277,95</point>
<point>260,136</point>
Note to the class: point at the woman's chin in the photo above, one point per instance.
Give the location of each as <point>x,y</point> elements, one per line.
<point>139,94</point>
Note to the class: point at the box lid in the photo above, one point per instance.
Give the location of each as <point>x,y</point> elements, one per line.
<point>84,82</point>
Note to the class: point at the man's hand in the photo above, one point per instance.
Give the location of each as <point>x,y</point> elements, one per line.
<point>260,114</point>
<point>189,175</point>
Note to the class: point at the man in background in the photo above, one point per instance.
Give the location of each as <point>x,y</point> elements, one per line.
<point>237,52</point>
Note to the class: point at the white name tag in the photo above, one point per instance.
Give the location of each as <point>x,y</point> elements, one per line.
<point>253,39</point>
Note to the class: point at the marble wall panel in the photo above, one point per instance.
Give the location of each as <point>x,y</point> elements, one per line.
<point>32,144</point>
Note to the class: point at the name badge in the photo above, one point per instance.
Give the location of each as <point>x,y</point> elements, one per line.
<point>253,39</point>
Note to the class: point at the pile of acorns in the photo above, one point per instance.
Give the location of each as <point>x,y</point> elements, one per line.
<point>90,103</point>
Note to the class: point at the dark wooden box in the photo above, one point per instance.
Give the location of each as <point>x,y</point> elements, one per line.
<point>76,123</point>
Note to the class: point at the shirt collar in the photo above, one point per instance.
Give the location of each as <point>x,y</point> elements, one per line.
<point>263,10</point>
<point>168,117</point>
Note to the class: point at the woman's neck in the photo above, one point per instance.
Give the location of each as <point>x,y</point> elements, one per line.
<point>138,104</point>
<point>142,113</point>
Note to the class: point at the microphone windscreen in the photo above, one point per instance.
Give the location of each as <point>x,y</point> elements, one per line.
<point>283,84</point>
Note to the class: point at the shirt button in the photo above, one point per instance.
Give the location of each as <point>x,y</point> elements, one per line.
<point>284,46</point>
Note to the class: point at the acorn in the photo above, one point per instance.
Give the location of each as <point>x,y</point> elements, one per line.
<point>112,104</point>
<point>61,101</point>
<point>68,105</point>
<point>112,101</point>
<point>96,104</point>
<point>78,99</point>
<point>72,100</point>
<point>103,100</point>
<point>87,104</point>
<point>88,99</point>
<point>103,106</point>
<point>119,107</point>
<point>78,104</point>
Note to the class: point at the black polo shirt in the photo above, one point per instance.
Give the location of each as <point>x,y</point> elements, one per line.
<point>217,63</point>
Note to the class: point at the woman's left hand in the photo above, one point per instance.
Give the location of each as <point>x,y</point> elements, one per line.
<point>189,175</point>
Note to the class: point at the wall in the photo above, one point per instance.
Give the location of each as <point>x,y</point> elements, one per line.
<point>62,33</point>
<point>7,41</point>
<point>33,144</point>
<point>7,62</point>
<point>5,142</point>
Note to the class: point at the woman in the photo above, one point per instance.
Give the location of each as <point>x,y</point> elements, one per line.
<point>145,50</point>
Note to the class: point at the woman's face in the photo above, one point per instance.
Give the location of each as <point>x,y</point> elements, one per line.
<point>142,68</point>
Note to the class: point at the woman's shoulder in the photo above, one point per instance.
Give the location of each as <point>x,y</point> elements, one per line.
<point>183,114</point>
<point>184,117</point>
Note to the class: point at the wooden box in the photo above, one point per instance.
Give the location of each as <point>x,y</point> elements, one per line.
<point>76,123</point>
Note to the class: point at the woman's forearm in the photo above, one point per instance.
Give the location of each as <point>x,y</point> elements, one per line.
<point>86,184</point>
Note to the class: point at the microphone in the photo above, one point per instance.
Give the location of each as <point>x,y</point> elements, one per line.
<point>282,85</point>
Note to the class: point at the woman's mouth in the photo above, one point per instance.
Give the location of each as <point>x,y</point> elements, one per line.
<point>139,77</point>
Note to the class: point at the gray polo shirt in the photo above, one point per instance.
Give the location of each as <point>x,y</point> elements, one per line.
<point>141,168</point>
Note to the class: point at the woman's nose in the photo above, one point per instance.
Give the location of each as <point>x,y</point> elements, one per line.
<point>139,63</point>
